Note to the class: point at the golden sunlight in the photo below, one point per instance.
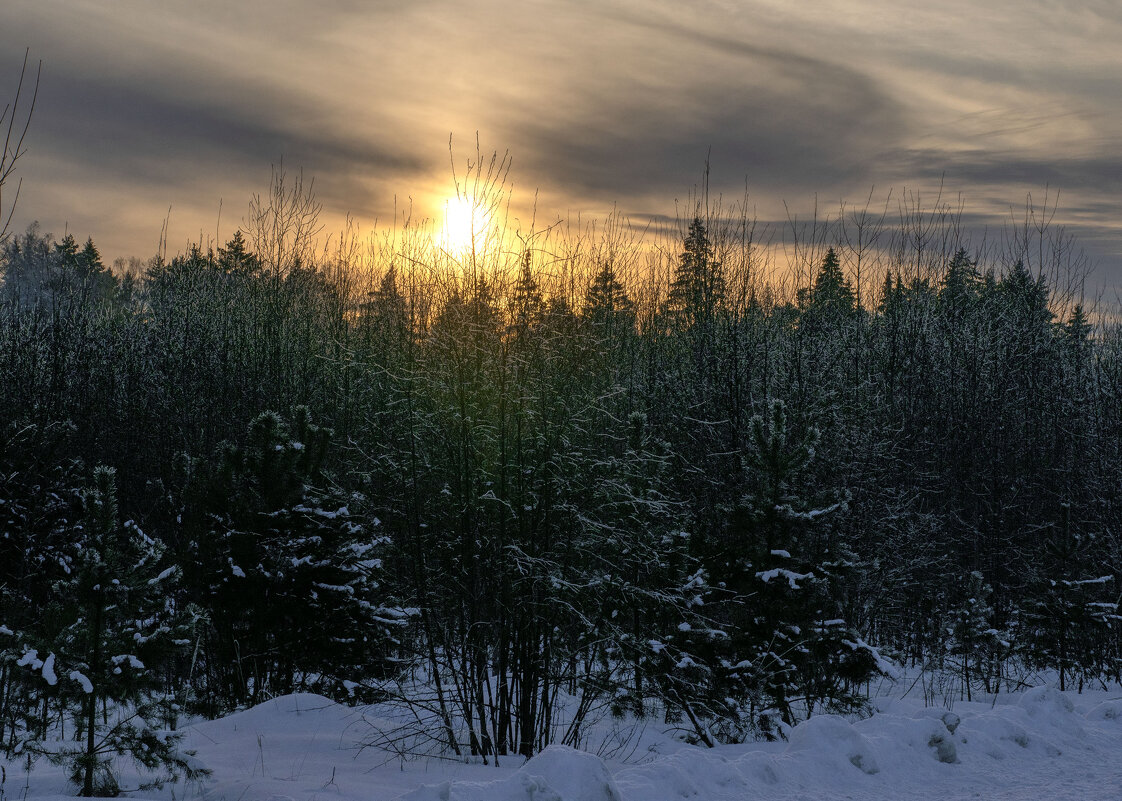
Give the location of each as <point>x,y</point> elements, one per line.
<point>465,222</point>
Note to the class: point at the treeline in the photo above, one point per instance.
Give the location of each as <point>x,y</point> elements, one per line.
<point>514,488</point>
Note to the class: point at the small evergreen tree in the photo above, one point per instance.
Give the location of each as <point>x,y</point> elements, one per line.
<point>40,521</point>
<point>1077,330</point>
<point>607,305</point>
<point>237,259</point>
<point>527,307</point>
<point>788,652</point>
<point>972,639</point>
<point>290,575</point>
<point>119,624</point>
<point>385,315</point>
<point>831,298</point>
<point>1072,611</point>
<point>698,288</point>
<point>962,281</point>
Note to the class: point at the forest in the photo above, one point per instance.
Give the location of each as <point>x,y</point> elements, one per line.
<point>720,475</point>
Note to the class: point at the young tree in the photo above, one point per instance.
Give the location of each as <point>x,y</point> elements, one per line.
<point>788,651</point>
<point>41,519</point>
<point>973,640</point>
<point>698,288</point>
<point>832,296</point>
<point>237,259</point>
<point>1073,608</point>
<point>118,625</point>
<point>527,306</point>
<point>607,305</point>
<point>290,575</point>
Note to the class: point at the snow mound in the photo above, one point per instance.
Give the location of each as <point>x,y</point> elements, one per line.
<point>518,787</point>
<point>558,773</point>
<point>1052,712</point>
<point>915,740</point>
<point>833,738</point>
<point>1106,711</point>
<point>1046,701</point>
<point>575,775</point>
<point>692,773</point>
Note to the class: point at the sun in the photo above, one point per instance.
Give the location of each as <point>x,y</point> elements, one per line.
<point>464,223</point>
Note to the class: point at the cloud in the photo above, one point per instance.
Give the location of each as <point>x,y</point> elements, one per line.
<point>90,120</point>
<point>788,123</point>
<point>1099,174</point>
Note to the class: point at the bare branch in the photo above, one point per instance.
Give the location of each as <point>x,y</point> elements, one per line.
<point>15,126</point>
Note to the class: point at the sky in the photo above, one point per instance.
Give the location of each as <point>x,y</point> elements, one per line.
<point>146,107</point>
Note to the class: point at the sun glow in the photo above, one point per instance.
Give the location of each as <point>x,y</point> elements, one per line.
<point>465,224</point>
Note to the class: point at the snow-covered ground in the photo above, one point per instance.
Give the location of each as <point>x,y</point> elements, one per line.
<point>1039,745</point>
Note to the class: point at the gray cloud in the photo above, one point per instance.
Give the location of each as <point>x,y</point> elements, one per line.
<point>1100,174</point>
<point>787,123</point>
<point>114,126</point>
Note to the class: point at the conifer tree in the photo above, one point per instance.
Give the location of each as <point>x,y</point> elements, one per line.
<point>290,574</point>
<point>527,307</point>
<point>88,261</point>
<point>1078,328</point>
<point>832,296</point>
<point>698,288</point>
<point>25,262</point>
<point>1073,606</point>
<point>607,305</point>
<point>789,651</point>
<point>962,281</point>
<point>237,259</point>
<point>385,311</point>
<point>67,250</point>
<point>41,522</point>
<point>973,640</point>
<point>118,624</point>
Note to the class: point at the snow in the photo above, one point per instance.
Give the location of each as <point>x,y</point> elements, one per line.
<point>85,683</point>
<point>1041,744</point>
<point>49,671</point>
<point>128,659</point>
<point>832,739</point>
<point>886,667</point>
<point>558,773</point>
<point>791,576</point>
<point>163,575</point>
<point>30,658</point>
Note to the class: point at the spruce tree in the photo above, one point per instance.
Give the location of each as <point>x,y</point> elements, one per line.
<point>41,524</point>
<point>789,652</point>
<point>290,574</point>
<point>973,640</point>
<point>237,259</point>
<point>607,306</point>
<point>832,296</point>
<point>1073,606</point>
<point>119,625</point>
<point>527,307</point>
<point>698,287</point>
